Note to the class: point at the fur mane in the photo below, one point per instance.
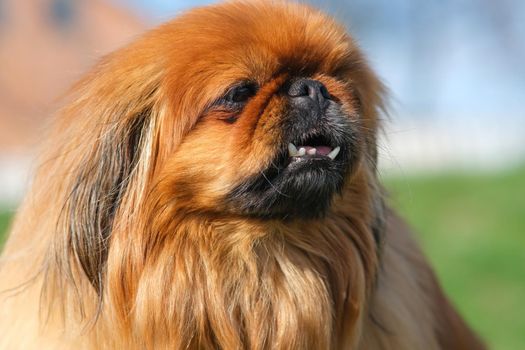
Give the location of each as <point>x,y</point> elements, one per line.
<point>215,282</point>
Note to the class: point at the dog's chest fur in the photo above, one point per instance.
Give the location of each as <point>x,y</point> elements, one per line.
<point>236,285</point>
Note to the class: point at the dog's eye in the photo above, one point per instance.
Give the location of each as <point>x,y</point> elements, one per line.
<point>241,94</point>
<point>229,107</point>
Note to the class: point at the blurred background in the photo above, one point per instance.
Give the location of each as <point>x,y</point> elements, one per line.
<point>452,152</point>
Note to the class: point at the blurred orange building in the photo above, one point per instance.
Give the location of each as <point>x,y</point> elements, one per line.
<point>44,46</point>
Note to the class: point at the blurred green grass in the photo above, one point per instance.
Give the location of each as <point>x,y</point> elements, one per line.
<point>473,231</point>
<point>472,228</point>
<point>5,219</point>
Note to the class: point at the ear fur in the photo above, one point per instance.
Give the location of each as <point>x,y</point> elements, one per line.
<point>105,155</point>
<point>102,179</point>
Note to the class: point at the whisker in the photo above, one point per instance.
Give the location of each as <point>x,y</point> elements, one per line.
<point>273,186</point>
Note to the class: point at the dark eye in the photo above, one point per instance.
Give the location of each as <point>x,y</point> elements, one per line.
<point>241,94</point>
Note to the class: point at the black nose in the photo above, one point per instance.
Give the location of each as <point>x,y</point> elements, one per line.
<point>307,91</point>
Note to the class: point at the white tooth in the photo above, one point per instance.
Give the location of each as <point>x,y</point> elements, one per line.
<point>301,152</point>
<point>292,150</point>
<point>312,151</point>
<point>334,153</point>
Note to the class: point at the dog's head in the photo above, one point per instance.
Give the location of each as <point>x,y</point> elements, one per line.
<point>277,106</point>
<point>248,110</point>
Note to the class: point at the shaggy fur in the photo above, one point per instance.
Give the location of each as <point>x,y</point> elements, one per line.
<point>161,218</point>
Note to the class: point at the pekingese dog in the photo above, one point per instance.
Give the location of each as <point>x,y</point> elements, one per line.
<point>213,186</point>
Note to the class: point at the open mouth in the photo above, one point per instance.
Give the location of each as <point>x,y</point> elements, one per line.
<point>312,152</point>
<point>312,148</point>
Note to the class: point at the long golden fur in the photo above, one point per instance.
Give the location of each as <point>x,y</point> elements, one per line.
<point>142,229</point>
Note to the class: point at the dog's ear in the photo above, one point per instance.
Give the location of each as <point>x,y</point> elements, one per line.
<point>101,180</point>
<point>371,94</point>
<point>104,154</point>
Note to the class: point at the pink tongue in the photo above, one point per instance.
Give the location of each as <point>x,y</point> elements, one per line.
<point>321,150</point>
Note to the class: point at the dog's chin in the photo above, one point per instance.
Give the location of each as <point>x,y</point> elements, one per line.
<point>294,186</point>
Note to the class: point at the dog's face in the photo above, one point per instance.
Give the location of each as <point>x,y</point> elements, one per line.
<point>278,101</point>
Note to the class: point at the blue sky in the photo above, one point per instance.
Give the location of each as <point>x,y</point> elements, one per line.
<point>159,10</point>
